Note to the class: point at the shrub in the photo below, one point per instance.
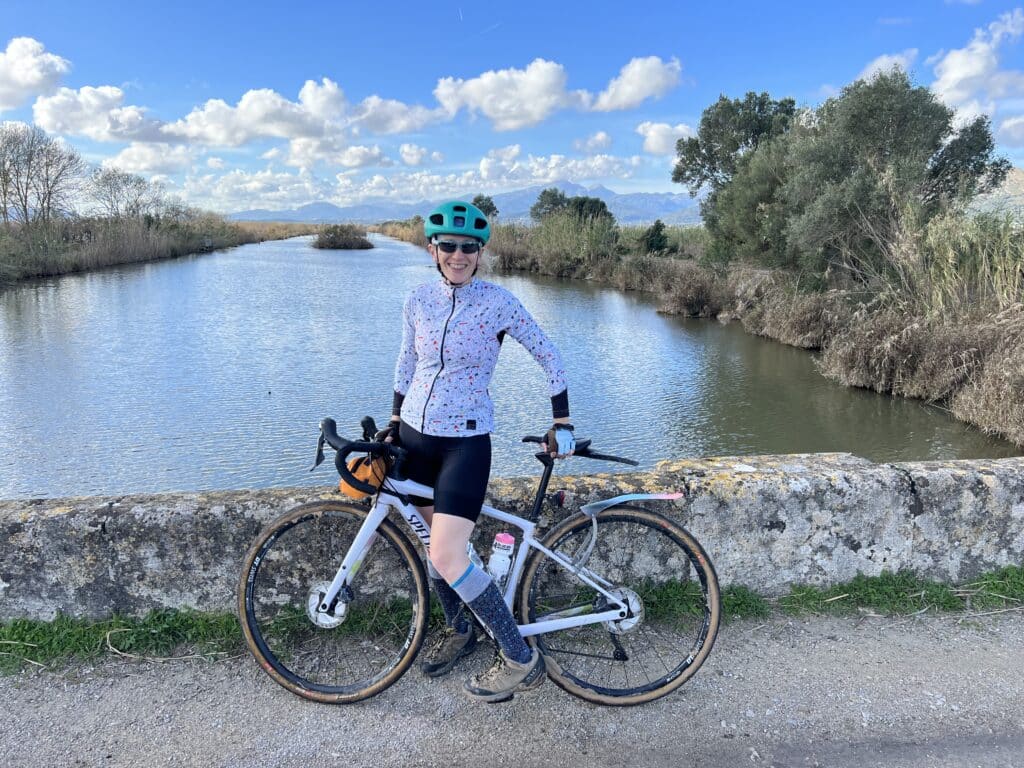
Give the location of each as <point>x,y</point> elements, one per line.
<point>342,237</point>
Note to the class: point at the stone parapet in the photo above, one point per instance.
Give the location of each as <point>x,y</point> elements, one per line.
<point>768,522</point>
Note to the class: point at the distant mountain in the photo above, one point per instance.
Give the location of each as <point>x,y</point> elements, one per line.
<point>631,208</point>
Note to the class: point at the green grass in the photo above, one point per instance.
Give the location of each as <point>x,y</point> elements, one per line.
<point>26,642</point>
<point>172,633</point>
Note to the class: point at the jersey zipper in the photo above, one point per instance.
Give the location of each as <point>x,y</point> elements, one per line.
<point>423,418</point>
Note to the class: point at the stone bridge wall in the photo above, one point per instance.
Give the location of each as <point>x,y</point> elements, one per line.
<point>767,522</point>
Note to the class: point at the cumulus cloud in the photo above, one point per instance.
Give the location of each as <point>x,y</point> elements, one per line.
<point>413,154</point>
<point>96,113</point>
<point>511,98</point>
<point>640,79</point>
<point>888,61</point>
<point>259,113</point>
<point>151,158</point>
<point>391,116</point>
<point>239,189</point>
<point>324,100</point>
<point>1011,131</point>
<point>969,79</point>
<point>595,143</point>
<point>26,70</point>
<point>306,152</point>
<point>216,163</point>
<point>661,138</point>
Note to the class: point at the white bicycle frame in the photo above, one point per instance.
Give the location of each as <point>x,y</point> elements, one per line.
<point>388,498</point>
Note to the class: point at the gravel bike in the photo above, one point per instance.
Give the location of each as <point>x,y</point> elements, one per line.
<point>334,604</point>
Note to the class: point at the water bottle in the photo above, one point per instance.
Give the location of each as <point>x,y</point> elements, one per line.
<point>500,560</point>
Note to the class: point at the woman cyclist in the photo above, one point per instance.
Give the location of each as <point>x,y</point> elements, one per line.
<point>443,416</point>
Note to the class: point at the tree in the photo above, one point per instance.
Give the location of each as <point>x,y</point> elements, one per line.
<point>588,208</point>
<point>119,195</point>
<point>549,201</point>
<point>486,205</point>
<point>883,158</point>
<point>654,239</point>
<point>729,129</point>
<point>38,175</point>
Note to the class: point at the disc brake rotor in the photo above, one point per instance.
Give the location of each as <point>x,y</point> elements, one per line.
<point>324,620</point>
<point>636,612</point>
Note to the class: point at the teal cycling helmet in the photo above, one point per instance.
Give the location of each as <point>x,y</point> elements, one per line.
<point>457,218</point>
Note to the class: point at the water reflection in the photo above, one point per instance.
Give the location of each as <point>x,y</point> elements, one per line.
<point>213,371</point>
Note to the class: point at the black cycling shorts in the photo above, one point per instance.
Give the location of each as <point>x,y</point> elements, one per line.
<point>456,467</point>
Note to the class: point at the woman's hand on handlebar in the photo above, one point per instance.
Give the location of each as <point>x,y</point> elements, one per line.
<point>559,441</point>
<point>389,434</point>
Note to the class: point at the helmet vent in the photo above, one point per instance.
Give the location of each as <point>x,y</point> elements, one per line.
<point>479,224</point>
<point>437,218</point>
<point>460,208</point>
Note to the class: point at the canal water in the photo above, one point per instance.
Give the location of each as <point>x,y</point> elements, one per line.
<point>213,371</point>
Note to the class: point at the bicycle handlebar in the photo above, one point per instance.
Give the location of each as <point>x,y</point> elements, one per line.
<point>583,449</point>
<point>343,448</point>
<point>329,433</point>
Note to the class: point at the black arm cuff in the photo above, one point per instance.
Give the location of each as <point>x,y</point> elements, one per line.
<point>396,404</point>
<point>560,405</point>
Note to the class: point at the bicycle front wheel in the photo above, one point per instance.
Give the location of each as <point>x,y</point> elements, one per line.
<point>376,628</point>
<point>656,568</point>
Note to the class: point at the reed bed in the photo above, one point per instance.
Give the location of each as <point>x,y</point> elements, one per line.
<point>75,245</point>
<point>342,237</point>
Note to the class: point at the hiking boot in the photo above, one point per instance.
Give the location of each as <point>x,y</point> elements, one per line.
<point>502,680</point>
<point>447,650</point>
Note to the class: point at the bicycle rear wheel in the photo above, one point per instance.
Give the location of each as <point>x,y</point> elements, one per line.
<point>664,576</point>
<point>374,633</point>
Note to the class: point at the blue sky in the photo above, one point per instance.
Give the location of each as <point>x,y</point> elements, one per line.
<point>270,105</point>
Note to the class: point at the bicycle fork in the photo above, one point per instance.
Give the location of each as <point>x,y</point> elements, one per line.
<point>361,544</point>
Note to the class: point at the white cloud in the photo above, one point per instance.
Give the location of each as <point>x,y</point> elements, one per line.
<point>390,116</point>
<point>332,150</point>
<point>502,169</point>
<point>259,113</point>
<point>216,163</point>
<point>324,100</point>
<point>239,190</point>
<point>661,138</point>
<point>511,98</point>
<point>26,70</point>
<point>888,61</point>
<point>969,78</point>
<point>595,143</point>
<point>1011,131</point>
<point>151,158</point>
<point>96,113</point>
<point>412,154</point>
<point>271,154</point>
<point>640,79</point>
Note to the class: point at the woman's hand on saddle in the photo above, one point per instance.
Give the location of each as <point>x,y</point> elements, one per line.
<point>559,441</point>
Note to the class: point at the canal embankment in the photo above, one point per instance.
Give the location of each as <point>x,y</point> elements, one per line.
<point>767,522</point>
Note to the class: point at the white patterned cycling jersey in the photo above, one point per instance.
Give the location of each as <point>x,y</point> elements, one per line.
<point>451,337</point>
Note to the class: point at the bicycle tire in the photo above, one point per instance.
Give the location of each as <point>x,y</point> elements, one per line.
<point>669,630</point>
<point>383,624</point>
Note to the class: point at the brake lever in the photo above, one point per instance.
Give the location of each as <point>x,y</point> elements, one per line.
<point>319,452</point>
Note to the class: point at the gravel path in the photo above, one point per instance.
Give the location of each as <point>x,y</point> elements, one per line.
<point>932,692</point>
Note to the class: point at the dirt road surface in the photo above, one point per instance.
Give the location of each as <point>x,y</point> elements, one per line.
<point>925,692</point>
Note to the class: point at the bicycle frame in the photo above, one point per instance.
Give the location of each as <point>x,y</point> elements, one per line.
<point>389,498</point>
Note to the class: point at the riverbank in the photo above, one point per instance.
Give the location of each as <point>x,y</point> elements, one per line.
<point>971,365</point>
<point>920,692</point>
<point>78,245</point>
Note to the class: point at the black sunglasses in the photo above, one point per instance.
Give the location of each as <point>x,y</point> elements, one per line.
<point>451,247</point>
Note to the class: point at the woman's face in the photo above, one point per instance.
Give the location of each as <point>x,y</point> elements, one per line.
<point>457,267</point>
